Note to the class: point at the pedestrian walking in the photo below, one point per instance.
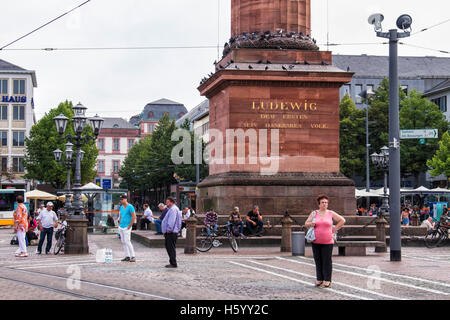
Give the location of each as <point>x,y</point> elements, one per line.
<point>21,226</point>
<point>47,219</point>
<point>323,245</point>
<point>171,225</point>
<point>127,216</point>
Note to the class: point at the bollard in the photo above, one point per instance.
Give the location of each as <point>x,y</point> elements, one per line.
<point>381,233</point>
<point>298,243</point>
<point>190,246</point>
<point>286,237</point>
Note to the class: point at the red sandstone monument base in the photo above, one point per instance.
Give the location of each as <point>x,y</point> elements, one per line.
<point>274,82</point>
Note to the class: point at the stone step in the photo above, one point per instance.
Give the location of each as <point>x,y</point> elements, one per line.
<point>298,219</point>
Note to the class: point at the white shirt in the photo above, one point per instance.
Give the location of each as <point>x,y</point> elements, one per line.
<point>148,214</point>
<point>427,224</point>
<point>187,214</point>
<point>47,218</point>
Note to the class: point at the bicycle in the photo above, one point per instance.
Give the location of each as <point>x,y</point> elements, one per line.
<point>60,236</point>
<point>206,242</point>
<point>436,236</point>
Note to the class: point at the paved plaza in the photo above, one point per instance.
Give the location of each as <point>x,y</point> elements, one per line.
<point>250,274</point>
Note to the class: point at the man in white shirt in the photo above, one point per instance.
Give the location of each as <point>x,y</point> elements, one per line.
<point>47,220</point>
<point>147,218</point>
<point>428,223</point>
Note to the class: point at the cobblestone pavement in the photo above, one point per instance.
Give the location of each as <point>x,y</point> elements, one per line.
<point>252,273</point>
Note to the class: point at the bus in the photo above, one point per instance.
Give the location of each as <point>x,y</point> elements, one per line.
<point>8,205</point>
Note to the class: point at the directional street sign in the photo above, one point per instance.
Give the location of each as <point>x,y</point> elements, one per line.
<point>419,134</point>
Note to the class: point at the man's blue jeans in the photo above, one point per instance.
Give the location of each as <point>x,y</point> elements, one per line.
<point>251,228</point>
<point>229,224</point>
<point>49,233</point>
<point>208,230</point>
<point>157,223</point>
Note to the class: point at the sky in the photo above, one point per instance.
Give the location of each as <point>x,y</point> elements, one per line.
<point>119,83</point>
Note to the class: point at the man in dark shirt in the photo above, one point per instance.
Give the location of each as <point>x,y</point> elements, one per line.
<point>254,222</point>
<point>158,220</point>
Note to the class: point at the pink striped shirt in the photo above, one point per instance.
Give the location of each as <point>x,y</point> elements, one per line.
<point>323,228</point>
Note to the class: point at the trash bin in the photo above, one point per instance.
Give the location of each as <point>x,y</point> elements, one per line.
<point>298,243</point>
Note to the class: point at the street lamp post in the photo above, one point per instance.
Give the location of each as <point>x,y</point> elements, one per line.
<point>68,164</point>
<point>404,23</point>
<point>76,242</point>
<point>381,161</point>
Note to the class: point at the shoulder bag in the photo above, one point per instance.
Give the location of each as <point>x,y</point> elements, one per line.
<point>310,235</point>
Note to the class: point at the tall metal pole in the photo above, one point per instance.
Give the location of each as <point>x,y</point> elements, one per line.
<point>77,203</point>
<point>394,149</point>
<point>67,202</point>
<point>367,156</point>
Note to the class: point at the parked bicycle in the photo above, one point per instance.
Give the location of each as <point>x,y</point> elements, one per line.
<point>207,241</point>
<point>438,235</point>
<point>60,236</point>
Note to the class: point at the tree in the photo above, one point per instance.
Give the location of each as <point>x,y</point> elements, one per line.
<point>440,163</point>
<point>352,138</point>
<point>43,139</point>
<point>149,164</point>
<point>417,112</point>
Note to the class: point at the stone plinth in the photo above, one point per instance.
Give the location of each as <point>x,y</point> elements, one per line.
<point>76,236</point>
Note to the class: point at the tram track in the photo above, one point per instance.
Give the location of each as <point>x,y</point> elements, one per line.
<point>71,293</point>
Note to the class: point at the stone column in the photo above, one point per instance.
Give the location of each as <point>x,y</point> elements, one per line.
<point>190,246</point>
<point>76,237</point>
<point>381,233</point>
<point>286,234</point>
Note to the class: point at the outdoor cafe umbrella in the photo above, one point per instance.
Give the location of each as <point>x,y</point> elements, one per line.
<point>63,198</point>
<point>39,195</point>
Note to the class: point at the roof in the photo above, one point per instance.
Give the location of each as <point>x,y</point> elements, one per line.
<point>117,123</point>
<point>155,110</point>
<point>7,67</point>
<point>195,113</point>
<point>366,66</point>
<point>443,86</point>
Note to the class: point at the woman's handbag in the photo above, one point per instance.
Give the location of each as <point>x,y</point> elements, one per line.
<point>310,235</point>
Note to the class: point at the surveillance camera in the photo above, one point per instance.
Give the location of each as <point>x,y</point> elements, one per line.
<point>404,22</point>
<point>376,19</point>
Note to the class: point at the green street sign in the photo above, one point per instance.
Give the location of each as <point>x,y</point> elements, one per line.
<point>422,141</point>
<point>419,134</point>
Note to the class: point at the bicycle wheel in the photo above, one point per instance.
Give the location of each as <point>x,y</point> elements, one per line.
<point>443,238</point>
<point>59,244</point>
<point>233,243</point>
<point>432,238</point>
<point>205,244</point>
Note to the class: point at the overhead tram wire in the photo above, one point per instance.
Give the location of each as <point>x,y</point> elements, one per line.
<point>420,47</point>
<point>113,48</point>
<point>46,24</point>
<point>433,26</point>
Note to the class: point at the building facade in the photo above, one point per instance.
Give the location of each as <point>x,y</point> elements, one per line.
<point>428,75</point>
<point>114,141</point>
<point>17,116</point>
<point>154,111</point>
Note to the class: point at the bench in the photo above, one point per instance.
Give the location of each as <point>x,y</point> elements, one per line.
<point>356,248</point>
<point>102,228</point>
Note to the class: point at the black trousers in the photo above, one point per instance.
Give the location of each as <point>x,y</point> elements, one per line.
<point>322,257</point>
<point>171,241</point>
<point>145,223</point>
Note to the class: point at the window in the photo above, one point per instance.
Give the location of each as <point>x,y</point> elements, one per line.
<point>18,139</point>
<point>151,127</point>
<point>358,90</point>
<point>370,87</point>
<point>19,86</point>
<point>116,126</point>
<point>205,128</point>
<point>441,103</point>
<point>347,90</point>
<point>150,115</point>
<point>101,166</point>
<point>116,144</point>
<point>4,164</point>
<point>130,143</point>
<point>18,112</point>
<point>18,165</point>
<point>116,166</point>
<point>3,86</point>
<point>4,138</point>
<point>3,112</point>
<point>101,144</point>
